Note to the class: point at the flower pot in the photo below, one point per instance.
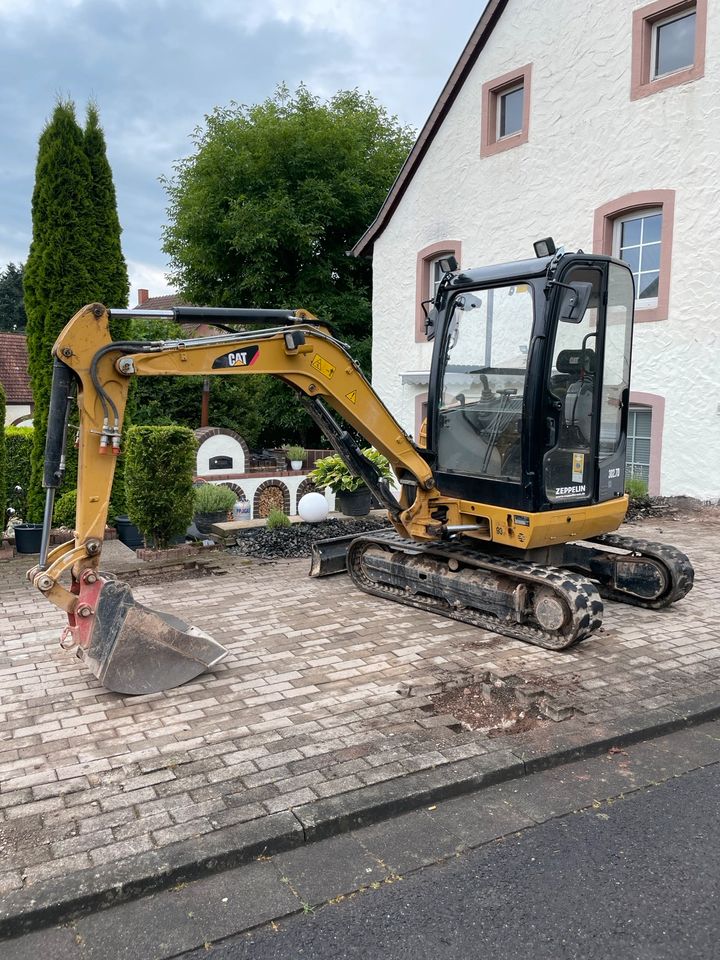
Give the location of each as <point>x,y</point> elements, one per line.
<point>28,537</point>
<point>203,521</point>
<point>296,464</point>
<point>355,503</point>
<point>128,533</point>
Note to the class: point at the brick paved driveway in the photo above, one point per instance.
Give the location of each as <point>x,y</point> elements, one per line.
<point>305,706</point>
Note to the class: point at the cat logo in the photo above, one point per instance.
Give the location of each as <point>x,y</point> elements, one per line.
<point>244,357</point>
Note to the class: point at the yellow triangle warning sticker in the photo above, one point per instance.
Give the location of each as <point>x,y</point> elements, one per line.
<point>352,396</point>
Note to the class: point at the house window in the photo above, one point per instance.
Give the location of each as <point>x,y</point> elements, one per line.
<point>668,45</point>
<point>505,111</point>
<point>639,432</point>
<point>428,274</point>
<point>510,114</point>
<point>436,274</point>
<point>638,228</point>
<point>638,242</point>
<point>673,43</point>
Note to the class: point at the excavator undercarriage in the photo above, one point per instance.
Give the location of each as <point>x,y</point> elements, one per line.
<point>550,606</point>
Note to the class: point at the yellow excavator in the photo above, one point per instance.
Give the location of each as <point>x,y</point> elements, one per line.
<point>503,518</point>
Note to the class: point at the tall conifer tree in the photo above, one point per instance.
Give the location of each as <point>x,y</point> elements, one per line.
<point>108,268</point>
<point>75,256</point>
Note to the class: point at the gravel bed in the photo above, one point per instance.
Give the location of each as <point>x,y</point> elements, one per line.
<point>296,542</point>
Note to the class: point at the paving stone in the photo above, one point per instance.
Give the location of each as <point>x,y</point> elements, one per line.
<point>320,871</point>
<point>131,765</point>
<point>176,920</point>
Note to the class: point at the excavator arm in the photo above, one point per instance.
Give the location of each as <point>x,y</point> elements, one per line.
<point>132,649</point>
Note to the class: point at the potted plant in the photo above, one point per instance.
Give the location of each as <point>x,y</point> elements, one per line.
<point>296,455</point>
<point>28,536</point>
<point>352,496</point>
<point>212,505</point>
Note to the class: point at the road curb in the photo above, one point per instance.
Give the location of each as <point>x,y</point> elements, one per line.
<point>64,898</point>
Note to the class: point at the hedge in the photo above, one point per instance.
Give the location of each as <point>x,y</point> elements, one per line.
<point>159,472</point>
<point>18,452</point>
<point>3,481</point>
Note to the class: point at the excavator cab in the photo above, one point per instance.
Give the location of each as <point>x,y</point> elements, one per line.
<point>529,387</point>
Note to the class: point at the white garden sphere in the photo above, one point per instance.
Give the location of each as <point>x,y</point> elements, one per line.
<point>313,507</point>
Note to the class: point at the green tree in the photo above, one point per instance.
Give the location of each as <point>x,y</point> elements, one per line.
<point>161,510</point>
<point>12,307</point>
<point>72,259</point>
<point>108,268</point>
<point>264,211</point>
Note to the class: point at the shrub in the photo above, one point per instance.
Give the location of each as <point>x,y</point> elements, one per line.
<point>277,519</point>
<point>296,453</point>
<point>18,451</point>
<point>332,472</point>
<point>65,510</point>
<point>636,488</point>
<point>211,498</point>
<point>159,472</point>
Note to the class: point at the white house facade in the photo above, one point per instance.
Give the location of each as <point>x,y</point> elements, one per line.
<point>599,125</point>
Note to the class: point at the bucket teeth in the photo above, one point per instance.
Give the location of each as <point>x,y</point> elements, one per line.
<point>134,650</point>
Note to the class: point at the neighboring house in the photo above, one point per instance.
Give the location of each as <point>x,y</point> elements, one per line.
<point>597,124</point>
<point>15,379</point>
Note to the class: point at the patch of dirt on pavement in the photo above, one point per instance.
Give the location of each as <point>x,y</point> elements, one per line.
<point>671,508</point>
<point>500,706</point>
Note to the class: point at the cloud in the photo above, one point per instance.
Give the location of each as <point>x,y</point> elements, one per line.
<point>157,67</point>
<point>146,276</point>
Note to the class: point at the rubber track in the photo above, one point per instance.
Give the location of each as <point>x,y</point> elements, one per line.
<point>581,595</point>
<point>677,566</point>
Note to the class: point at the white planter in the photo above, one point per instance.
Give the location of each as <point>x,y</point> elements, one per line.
<point>296,464</point>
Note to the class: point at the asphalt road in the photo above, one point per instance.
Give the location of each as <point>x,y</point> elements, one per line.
<point>634,879</point>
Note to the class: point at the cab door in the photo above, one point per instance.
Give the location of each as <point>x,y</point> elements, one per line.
<point>587,389</point>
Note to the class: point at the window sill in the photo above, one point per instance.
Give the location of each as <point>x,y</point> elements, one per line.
<point>659,84</point>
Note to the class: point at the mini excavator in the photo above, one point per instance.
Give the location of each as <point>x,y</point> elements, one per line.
<point>504,512</point>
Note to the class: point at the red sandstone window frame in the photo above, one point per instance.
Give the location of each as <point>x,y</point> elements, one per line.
<point>425,259</point>
<point>492,91</point>
<point>603,237</point>
<point>656,404</point>
<point>645,20</point>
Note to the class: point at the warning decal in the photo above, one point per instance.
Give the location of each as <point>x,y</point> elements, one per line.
<point>352,396</point>
<point>578,467</point>
<point>322,366</point>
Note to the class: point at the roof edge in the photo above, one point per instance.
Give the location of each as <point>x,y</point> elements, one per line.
<point>478,39</point>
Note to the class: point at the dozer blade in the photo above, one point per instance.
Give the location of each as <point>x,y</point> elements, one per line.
<point>132,649</point>
<point>330,556</point>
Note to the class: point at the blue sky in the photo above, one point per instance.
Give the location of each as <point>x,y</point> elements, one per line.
<point>157,67</point>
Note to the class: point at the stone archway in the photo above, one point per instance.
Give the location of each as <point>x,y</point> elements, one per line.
<point>307,486</point>
<point>271,495</point>
<point>236,489</point>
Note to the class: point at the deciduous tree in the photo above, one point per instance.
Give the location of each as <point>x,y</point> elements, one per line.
<point>264,212</point>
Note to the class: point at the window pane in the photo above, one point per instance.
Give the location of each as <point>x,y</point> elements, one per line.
<point>631,256</point>
<point>648,286</point>
<point>675,45</point>
<point>630,232</point>
<point>511,112</point>
<point>651,228</point>
<point>483,380</point>
<point>651,257</point>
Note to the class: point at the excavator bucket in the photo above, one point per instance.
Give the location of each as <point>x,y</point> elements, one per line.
<point>132,649</point>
